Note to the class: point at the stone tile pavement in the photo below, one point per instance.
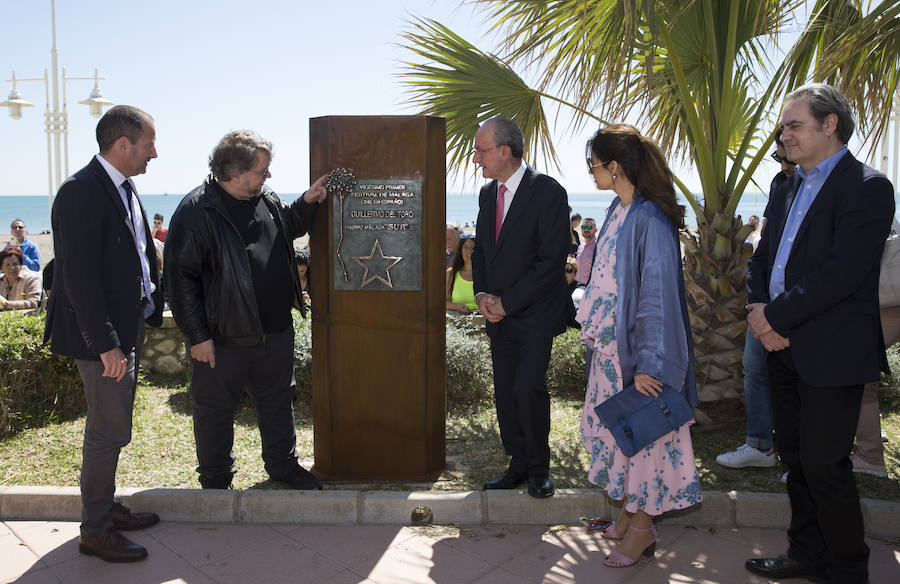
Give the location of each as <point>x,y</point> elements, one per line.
<point>43,552</point>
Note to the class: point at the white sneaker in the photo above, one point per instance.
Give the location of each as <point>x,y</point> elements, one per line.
<point>746,455</point>
<point>861,466</point>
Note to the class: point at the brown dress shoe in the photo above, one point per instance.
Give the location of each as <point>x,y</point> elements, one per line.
<point>124,520</point>
<point>111,546</point>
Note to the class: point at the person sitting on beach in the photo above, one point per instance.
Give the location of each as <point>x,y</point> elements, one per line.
<point>301,260</point>
<point>158,231</point>
<point>575,240</point>
<point>460,291</point>
<point>452,242</point>
<point>571,285</point>
<point>47,277</point>
<point>585,254</point>
<point>30,250</point>
<point>19,287</point>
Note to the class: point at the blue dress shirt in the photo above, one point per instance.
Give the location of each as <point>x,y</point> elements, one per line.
<point>803,200</point>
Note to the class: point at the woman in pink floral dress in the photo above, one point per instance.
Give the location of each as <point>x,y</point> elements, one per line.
<point>634,323</point>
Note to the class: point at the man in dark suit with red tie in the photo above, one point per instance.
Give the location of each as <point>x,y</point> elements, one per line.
<point>813,300</point>
<point>106,285</point>
<point>521,241</point>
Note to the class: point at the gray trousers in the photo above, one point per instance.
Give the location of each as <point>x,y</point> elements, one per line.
<point>106,431</point>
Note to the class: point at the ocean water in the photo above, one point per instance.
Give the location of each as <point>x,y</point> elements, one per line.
<point>462,208</point>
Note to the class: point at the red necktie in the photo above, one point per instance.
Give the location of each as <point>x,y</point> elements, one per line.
<point>500,206</point>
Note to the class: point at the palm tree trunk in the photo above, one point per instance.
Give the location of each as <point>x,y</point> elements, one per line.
<point>715,274</point>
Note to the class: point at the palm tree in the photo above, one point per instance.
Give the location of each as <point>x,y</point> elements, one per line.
<point>700,76</point>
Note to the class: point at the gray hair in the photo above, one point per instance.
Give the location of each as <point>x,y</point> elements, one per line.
<point>823,101</point>
<point>507,133</point>
<point>236,153</point>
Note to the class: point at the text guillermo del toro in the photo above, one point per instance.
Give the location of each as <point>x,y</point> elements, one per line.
<point>378,232</point>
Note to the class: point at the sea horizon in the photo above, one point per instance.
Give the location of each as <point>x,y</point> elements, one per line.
<point>462,208</point>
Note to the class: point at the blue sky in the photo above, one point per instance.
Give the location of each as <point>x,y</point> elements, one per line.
<point>204,68</point>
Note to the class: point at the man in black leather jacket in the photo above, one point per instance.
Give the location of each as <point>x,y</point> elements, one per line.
<point>231,284</point>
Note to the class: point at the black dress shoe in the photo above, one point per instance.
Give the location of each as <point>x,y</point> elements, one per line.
<point>125,520</point>
<point>111,546</point>
<point>222,481</point>
<point>302,480</point>
<point>784,566</point>
<point>540,487</point>
<point>508,480</point>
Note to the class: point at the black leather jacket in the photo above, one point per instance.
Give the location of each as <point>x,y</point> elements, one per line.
<point>208,281</point>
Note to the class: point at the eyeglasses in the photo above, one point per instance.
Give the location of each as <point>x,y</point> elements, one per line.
<point>592,165</point>
<point>482,151</point>
<point>588,227</point>
<point>570,271</point>
<point>779,159</point>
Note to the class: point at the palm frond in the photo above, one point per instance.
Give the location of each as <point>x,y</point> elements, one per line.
<point>865,63</point>
<point>699,72</point>
<point>467,86</point>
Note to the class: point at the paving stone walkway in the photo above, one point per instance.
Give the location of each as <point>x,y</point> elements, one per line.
<point>44,552</point>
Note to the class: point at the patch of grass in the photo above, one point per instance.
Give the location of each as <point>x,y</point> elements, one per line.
<point>161,453</point>
<point>473,442</point>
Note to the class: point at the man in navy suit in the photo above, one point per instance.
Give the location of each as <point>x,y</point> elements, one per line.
<point>106,285</point>
<point>813,301</point>
<point>521,241</point>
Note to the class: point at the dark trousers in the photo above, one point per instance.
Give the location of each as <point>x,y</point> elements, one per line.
<point>523,403</point>
<point>815,428</point>
<point>266,372</point>
<point>107,430</point>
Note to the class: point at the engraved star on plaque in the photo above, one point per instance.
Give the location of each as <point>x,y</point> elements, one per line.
<point>388,262</point>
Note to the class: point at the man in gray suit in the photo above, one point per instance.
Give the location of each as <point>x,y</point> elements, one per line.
<point>106,284</point>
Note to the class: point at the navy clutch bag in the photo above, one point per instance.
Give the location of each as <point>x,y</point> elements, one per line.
<point>636,420</point>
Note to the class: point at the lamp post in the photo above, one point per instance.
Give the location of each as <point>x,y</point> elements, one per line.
<point>56,120</point>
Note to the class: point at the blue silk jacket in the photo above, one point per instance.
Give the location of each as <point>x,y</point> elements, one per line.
<point>653,331</point>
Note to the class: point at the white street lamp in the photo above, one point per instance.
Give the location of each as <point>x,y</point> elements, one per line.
<point>14,102</point>
<point>56,120</point>
<point>95,99</point>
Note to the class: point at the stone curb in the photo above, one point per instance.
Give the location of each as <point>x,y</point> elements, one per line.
<point>347,507</point>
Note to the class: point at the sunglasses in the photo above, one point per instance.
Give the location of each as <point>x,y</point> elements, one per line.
<point>592,165</point>
<point>779,159</point>
<point>570,271</point>
<point>588,227</point>
<point>467,236</point>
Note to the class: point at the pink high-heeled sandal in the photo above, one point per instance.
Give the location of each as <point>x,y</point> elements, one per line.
<point>623,560</point>
<point>611,533</point>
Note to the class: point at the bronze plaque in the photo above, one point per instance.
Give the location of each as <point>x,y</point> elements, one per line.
<point>378,236</point>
